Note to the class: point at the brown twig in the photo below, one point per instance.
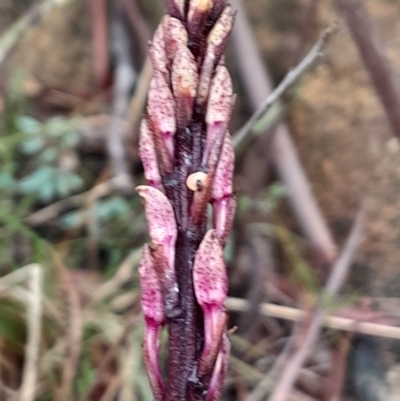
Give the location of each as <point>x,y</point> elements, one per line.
<point>292,76</point>
<point>138,24</point>
<point>125,77</point>
<point>285,157</point>
<point>74,336</point>
<point>372,54</point>
<point>100,58</point>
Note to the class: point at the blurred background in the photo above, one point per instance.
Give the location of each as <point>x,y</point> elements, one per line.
<point>73,84</point>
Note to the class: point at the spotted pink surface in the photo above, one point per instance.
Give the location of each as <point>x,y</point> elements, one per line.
<point>161,220</point>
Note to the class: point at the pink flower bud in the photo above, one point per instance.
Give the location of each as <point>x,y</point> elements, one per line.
<point>220,369</point>
<point>222,184</point>
<point>209,272</point>
<point>219,109</point>
<point>221,196</point>
<point>211,288</point>
<point>161,109</point>
<point>184,84</point>
<point>175,35</point>
<point>152,300</point>
<point>219,35</point>
<point>157,52</point>
<point>153,310</point>
<point>198,12</point>
<point>161,220</point>
<point>224,215</point>
<point>217,40</point>
<point>148,155</point>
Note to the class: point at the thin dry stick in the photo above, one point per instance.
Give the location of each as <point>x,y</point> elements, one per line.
<point>138,24</point>
<point>336,279</point>
<point>100,50</point>
<point>329,321</point>
<point>288,81</point>
<point>34,325</point>
<point>125,77</point>
<point>74,336</point>
<point>283,150</point>
<point>53,210</point>
<point>374,59</point>
<point>138,101</point>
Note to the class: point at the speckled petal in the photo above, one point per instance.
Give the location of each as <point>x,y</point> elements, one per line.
<point>219,108</point>
<point>160,219</point>
<point>151,297</point>
<point>209,272</point>
<point>184,83</point>
<point>148,156</point>
<point>161,109</point>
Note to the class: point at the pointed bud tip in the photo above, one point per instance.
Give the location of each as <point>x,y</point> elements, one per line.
<point>209,272</point>
<point>151,296</point>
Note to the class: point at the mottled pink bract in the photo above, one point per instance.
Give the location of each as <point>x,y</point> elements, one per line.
<point>161,220</point>
<point>152,300</point>
<point>209,272</point>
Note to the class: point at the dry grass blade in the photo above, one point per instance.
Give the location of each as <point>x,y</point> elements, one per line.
<point>74,336</point>
<point>335,281</point>
<point>329,321</point>
<point>34,325</point>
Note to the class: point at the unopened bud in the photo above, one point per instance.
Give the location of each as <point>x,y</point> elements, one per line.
<point>223,216</point>
<point>153,310</point>
<point>222,183</point>
<point>161,220</point>
<point>161,109</point>
<point>219,109</point>
<point>209,272</point>
<point>224,205</point>
<point>151,297</point>
<point>175,35</point>
<point>184,84</point>
<point>148,156</point>
<point>211,287</point>
<point>217,40</point>
<point>199,10</point>
<point>219,35</point>
<point>157,52</point>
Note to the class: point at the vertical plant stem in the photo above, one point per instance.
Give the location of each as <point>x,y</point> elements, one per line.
<point>373,56</point>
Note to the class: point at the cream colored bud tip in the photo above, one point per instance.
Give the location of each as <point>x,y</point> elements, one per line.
<point>205,5</point>
<point>196,181</point>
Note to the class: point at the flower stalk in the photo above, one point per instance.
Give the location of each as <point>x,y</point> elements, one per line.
<point>188,159</point>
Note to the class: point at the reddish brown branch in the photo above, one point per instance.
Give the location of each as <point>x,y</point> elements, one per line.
<point>98,10</point>
<point>373,56</point>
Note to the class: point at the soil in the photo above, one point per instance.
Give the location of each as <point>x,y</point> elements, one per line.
<point>345,142</point>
